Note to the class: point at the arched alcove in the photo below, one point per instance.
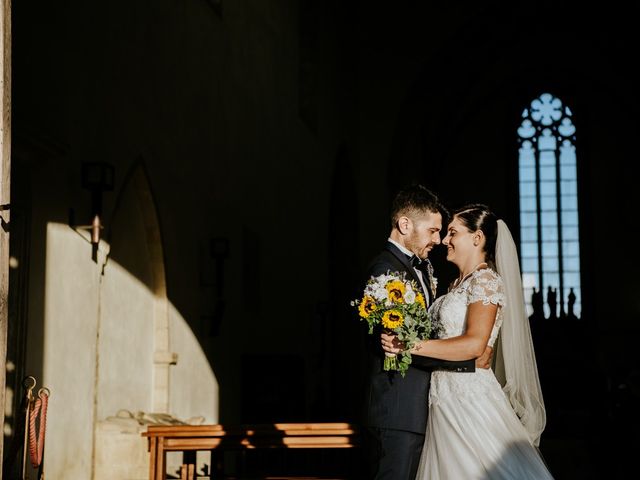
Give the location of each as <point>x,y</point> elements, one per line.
<point>133,336</point>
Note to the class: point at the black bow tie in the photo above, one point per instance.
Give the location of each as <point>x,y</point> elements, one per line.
<point>422,265</point>
<point>419,263</point>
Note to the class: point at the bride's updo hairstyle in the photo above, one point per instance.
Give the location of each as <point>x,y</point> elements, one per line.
<point>478,217</point>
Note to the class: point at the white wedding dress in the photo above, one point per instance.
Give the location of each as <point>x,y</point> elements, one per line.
<point>472,430</point>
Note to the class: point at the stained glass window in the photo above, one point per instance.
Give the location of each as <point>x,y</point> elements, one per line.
<point>549,238</point>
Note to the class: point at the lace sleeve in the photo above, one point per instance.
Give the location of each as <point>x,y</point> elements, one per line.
<point>486,286</point>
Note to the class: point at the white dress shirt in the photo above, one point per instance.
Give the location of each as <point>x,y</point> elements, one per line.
<point>409,253</point>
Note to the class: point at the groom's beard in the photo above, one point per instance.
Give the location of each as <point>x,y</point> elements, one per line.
<point>419,248</point>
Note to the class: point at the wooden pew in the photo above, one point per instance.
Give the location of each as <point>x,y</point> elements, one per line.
<point>220,438</point>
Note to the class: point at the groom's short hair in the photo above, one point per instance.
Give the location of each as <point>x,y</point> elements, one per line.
<point>415,199</point>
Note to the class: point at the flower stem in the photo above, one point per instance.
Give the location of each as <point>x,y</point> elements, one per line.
<point>390,363</point>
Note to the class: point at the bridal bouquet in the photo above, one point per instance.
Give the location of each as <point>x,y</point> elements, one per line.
<point>396,304</point>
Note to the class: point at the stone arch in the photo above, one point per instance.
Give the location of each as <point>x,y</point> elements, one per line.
<point>135,263</point>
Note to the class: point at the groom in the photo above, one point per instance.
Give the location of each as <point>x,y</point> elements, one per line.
<point>396,407</point>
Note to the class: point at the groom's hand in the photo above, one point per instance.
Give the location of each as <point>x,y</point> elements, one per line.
<point>484,360</point>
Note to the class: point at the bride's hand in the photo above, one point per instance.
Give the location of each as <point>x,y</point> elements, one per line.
<point>484,360</point>
<point>391,344</point>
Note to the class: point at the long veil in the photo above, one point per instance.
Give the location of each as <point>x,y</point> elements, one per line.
<point>515,361</point>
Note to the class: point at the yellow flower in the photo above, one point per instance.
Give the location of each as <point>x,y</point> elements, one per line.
<point>420,300</point>
<point>396,291</point>
<point>367,306</point>
<point>392,319</point>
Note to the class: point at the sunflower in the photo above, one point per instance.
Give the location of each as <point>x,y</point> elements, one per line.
<point>392,319</point>
<point>396,291</point>
<point>367,306</point>
<point>420,300</point>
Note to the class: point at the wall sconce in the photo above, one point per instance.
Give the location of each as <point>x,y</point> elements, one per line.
<point>97,177</point>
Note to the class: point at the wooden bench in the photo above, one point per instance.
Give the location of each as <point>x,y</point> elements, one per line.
<point>220,438</point>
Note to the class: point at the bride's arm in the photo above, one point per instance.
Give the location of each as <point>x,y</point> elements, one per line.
<point>471,344</point>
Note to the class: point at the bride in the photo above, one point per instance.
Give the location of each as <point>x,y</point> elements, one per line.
<point>476,428</point>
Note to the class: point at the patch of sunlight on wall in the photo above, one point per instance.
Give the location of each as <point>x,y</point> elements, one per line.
<point>194,389</point>
<point>69,357</point>
<point>98,352</point>
<point>126,337</point>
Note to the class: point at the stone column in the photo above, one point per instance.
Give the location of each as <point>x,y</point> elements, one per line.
<point>5,176</point>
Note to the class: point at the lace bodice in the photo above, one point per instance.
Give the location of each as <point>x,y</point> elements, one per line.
<point>450,310</point>
<point>450,313</point>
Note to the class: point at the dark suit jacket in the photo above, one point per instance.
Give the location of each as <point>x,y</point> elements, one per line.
<point>392,401</point>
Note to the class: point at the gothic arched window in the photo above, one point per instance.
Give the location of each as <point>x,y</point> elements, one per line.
<point>549,240</point>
